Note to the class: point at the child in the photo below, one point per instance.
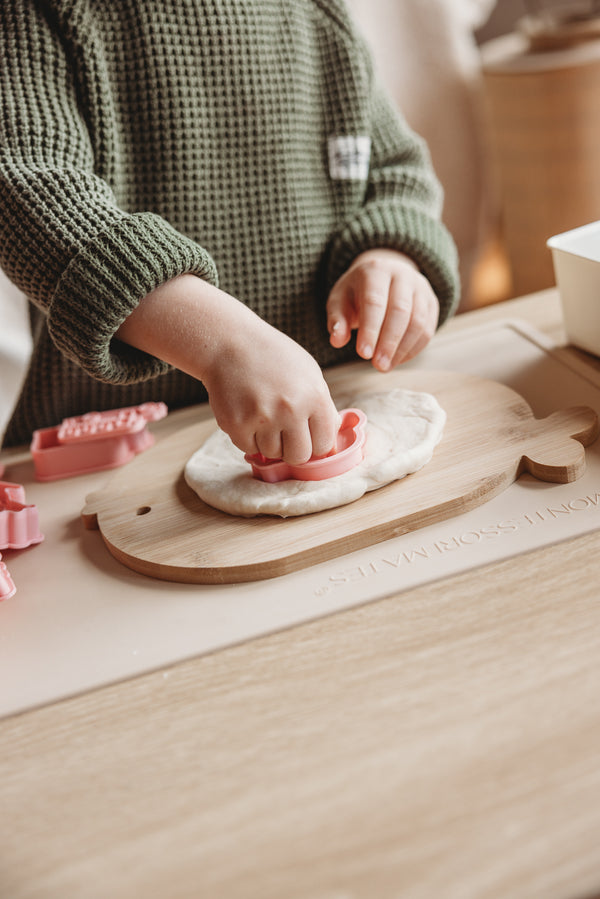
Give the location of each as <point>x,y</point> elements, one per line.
<point>203,199</point>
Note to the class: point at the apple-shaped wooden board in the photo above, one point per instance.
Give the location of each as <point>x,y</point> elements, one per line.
<point>154,523</point>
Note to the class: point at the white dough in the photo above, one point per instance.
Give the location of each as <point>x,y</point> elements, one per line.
<point>403,428</point>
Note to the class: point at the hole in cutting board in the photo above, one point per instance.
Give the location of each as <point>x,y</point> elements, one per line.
<point>143,510</point>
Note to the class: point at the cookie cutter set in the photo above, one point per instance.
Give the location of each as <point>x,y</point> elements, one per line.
<point>101,440</point>
<point>80,445</point>
<point>347,453</point>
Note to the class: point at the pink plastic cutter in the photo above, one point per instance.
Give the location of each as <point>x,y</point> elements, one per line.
<point>7,585</point>
<point>348,452</point>
<point>19,527</point>
<point>19,521</point>
<point>94,441</point>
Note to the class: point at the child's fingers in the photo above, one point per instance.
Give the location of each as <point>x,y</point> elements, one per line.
<point>396,322</point>
<point>420,329</point>
<point>372,288</point>
<point>323,433</point>
<point>269,442</point>
<point>301,436</point>
<point>339,314</point>
<point>294,444</point>
<point>297,443</point>
<point>387,300</point>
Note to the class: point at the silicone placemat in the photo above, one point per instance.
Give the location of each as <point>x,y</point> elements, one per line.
<point>80,619</point>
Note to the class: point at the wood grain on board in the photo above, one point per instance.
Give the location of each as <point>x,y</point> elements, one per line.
<point>155,524</point>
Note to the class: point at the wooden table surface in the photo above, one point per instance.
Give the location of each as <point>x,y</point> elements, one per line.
<point>444,742</point>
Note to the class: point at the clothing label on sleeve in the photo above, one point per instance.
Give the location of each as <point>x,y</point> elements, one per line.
<point>349,157</point>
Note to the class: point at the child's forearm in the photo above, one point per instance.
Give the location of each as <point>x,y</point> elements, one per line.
<point>186,322</point>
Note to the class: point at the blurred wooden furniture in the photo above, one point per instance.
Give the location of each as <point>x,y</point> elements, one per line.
<point>441,742</point>
<point>544,133</point>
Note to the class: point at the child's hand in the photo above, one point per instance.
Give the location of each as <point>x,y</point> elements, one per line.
<point>270,396</point>
<point>389,301</point>
<point>265,391</point>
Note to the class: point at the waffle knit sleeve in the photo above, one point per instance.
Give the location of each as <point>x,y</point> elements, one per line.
<point>63,238</point>
<point>402,204</point>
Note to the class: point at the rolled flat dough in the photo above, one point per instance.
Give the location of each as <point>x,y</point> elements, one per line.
<point>403,428</point>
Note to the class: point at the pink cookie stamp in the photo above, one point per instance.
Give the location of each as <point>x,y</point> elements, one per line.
<point>94,441</point>
<point>348,452</point>
<point>19,528</point>
<point>19,521</point>
<point>7,585</point>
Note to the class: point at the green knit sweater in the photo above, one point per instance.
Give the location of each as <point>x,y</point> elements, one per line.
<point>142,139</point>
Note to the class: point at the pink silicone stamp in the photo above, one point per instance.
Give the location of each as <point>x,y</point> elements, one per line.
<point>93,442</point>
<point>19,528</point>
<point>7,585</point>
<point>19,521</point>
<point>348,452</point>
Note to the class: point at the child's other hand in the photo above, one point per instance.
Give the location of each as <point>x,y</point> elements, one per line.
<point>390,303</point>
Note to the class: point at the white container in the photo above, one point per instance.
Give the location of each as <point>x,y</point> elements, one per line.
<point>576,258</point>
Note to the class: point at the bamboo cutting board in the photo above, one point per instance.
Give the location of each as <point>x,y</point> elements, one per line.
<point>155,524</point>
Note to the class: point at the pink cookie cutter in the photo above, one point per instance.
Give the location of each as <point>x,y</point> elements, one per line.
<point>93,442</point>
<point>7,585</point>
<point>19,521</point>
<point>19,527</point>
<point>348,452</point>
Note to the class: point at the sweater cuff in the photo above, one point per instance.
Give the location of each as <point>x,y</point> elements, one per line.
<point>386,224</point>
<point>105,282</point>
